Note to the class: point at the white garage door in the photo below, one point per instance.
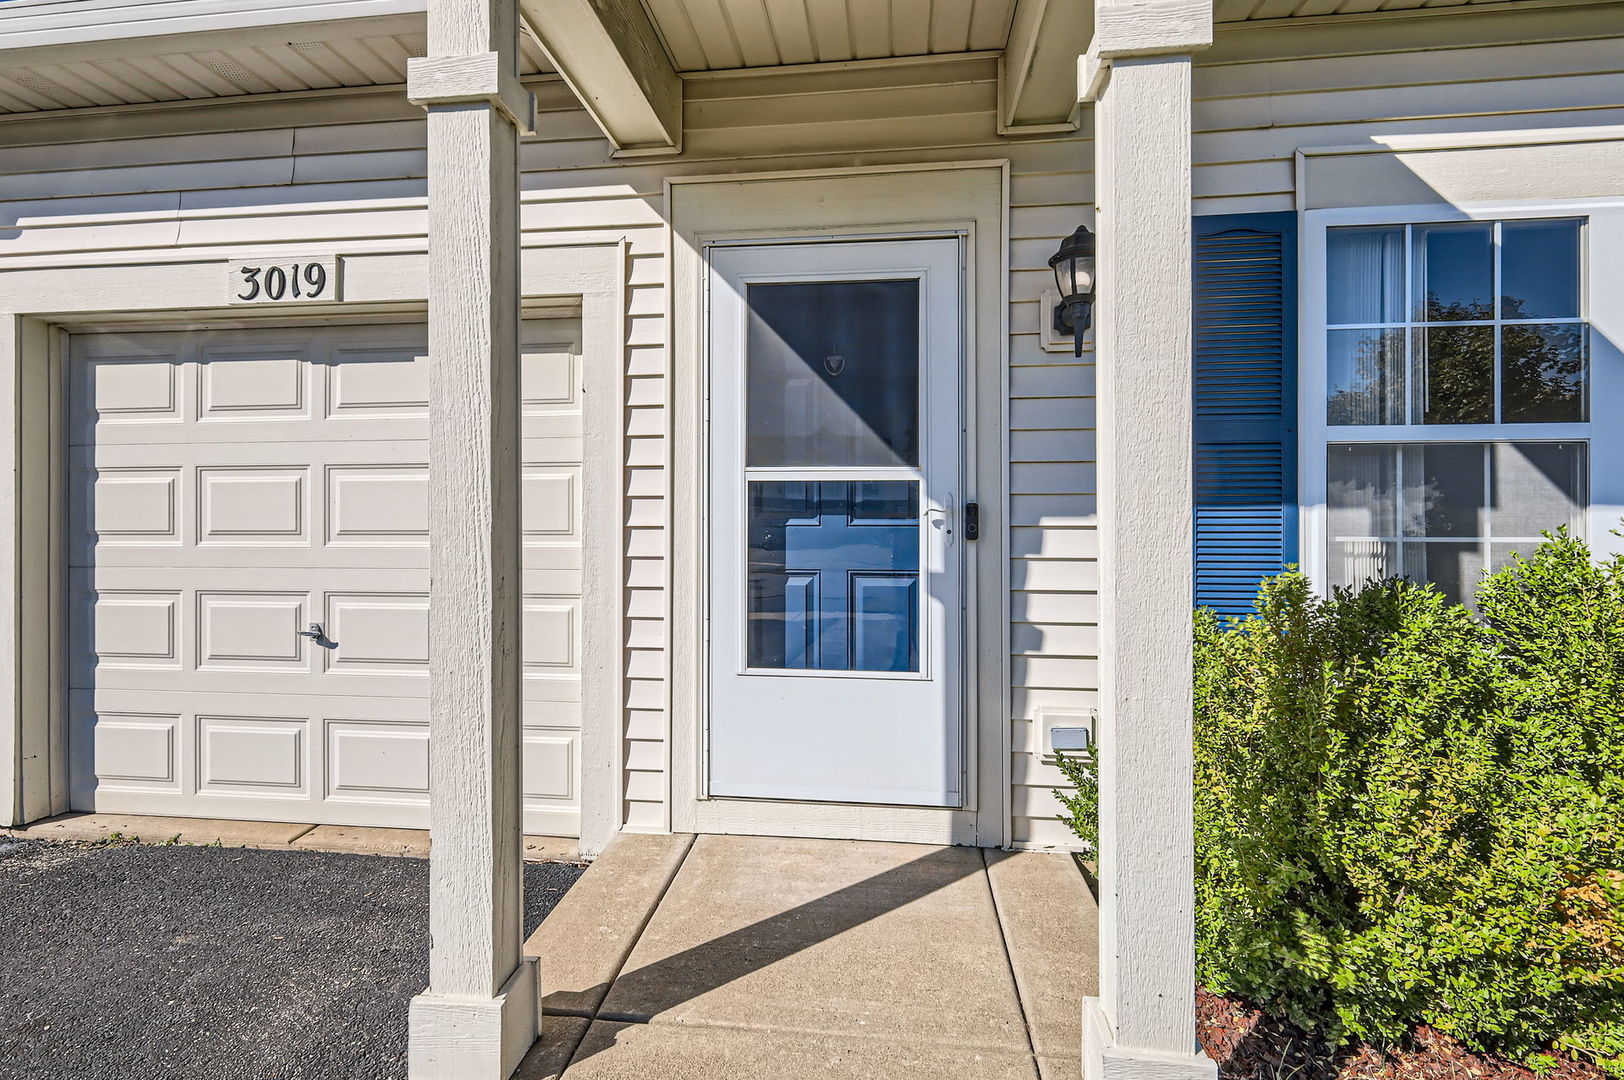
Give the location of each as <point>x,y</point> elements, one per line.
<point>227,489</point>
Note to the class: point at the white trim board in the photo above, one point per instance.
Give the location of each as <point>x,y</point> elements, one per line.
<point>1461,168</point>
<point>590,276</point>
<point>888,201</point>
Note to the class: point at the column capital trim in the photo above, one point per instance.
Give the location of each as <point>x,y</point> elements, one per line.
<point>481,77</point>
<point>1132,28</point>
<point>1149,27</point>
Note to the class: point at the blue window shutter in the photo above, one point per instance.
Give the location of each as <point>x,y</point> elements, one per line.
<point>1245,405</point>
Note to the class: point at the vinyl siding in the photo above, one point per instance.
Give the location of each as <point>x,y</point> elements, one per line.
<point>346,169</point>
<point>1262,94</point>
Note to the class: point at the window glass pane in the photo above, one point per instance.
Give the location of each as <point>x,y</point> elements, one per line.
<point>1444,490</point>
<point>1453,271</point>
<point>834,575</point>
<point>833,374</point>
<point>1535,487</point>
<point>1461,508</point>
<point>1364,280</point>
<point>1366,377</point>
<point>1360,491</point>
<point>1353,563</point>
<point>1456,366</point>
<point>1543,372</point>
<point>1455,568</point>
<point>1539,269</point>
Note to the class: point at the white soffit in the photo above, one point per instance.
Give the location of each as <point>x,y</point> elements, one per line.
<point>717,35</point>
<point>69,54</point>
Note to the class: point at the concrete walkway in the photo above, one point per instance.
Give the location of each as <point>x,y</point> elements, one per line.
<point>266,835</point>
<point>727,956</point>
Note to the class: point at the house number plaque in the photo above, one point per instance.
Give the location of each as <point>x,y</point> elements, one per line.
<point>296,279</point>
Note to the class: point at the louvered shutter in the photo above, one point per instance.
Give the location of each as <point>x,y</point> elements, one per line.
<point>1245,405</point>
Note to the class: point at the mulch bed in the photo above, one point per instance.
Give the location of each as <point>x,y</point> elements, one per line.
<point>1248,1044</point>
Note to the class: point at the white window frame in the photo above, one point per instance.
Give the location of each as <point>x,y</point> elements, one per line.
<point>1601,305</point>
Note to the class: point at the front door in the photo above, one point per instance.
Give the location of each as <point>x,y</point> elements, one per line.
<point>836,554</point>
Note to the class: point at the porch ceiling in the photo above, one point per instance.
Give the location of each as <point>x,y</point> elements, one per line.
<point>69,54</point>
<point>713,35</point>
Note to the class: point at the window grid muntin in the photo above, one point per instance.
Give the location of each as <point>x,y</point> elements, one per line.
<point>1410,325</point>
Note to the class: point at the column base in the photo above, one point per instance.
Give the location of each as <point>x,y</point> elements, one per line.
<point>455,1038</point>
<point>1103,1059</point>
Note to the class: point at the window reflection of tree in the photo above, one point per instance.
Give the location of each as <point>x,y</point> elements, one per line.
<point>1543,369</point>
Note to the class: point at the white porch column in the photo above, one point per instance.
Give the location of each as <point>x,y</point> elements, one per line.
<point>479,1014</point>
<point>1137,72</point>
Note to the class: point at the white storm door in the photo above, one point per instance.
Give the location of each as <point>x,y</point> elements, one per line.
<point>835,577</point>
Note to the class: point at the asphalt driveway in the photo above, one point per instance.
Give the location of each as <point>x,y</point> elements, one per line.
<point>139,962</point>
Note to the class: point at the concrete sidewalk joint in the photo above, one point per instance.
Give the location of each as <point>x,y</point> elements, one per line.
<point>275,835</point>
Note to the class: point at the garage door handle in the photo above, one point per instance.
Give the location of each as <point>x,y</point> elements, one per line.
<point>315,633</point>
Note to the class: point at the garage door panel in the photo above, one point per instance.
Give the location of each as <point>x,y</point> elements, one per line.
<point>238,383</point>
<point>377,505</point>
<point>369,382</point>
<point>230,488</point>
<point>128,389</point>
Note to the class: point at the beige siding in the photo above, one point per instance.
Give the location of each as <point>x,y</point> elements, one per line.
<point>347,170</point>
<point>1263,94</point>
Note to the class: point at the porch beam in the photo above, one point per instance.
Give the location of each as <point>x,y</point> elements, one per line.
<point>1138,73</point>
<point>1037,89</point>
<point>610,54</point>
<point>479,1014</point>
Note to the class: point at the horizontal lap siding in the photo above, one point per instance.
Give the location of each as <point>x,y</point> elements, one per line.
<point>230,176</point>
<point>1344,85</point>
<point>1054,636</point>
<point>154,182</point>
<point>945,112</point>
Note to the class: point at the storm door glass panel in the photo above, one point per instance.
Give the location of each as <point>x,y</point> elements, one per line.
<point>834,575</point>
<point>833,374</point>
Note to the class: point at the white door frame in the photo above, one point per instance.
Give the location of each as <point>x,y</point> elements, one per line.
<point>151,293</point>
<point>960,199</point>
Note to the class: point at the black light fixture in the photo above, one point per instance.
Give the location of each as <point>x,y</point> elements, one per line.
<point>1073,267</point>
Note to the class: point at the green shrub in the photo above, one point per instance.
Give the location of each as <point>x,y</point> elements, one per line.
<point>1407,813</point>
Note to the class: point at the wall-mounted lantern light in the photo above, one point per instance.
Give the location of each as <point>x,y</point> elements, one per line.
<point>1073,267</point>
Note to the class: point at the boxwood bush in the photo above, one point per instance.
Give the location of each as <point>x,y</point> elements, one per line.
<point>1407,812</point>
